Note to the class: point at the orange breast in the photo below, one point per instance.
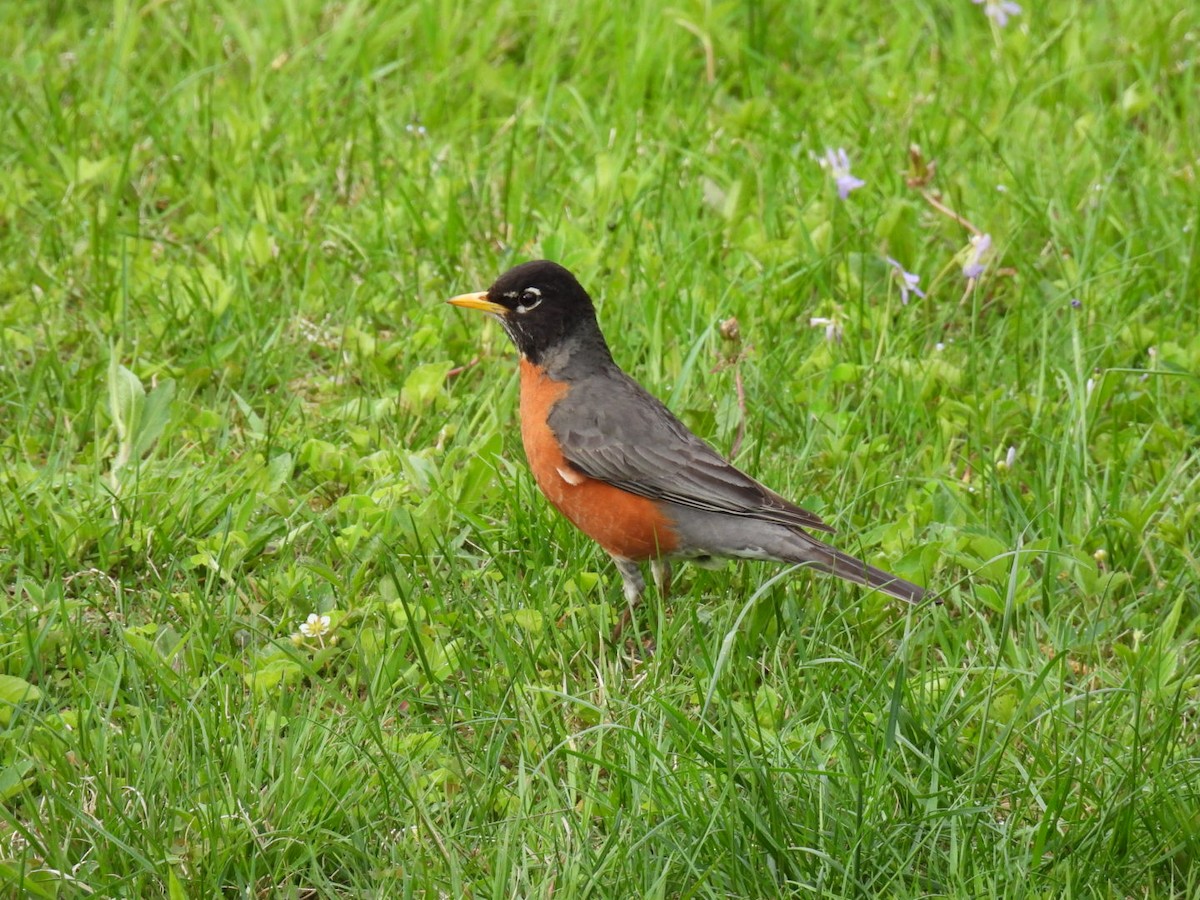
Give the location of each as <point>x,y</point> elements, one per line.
<point>624,524</point>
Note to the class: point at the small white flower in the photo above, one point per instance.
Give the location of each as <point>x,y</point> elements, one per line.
<point>939,346</point>
<point>315,626</point>
<point>833,331</point>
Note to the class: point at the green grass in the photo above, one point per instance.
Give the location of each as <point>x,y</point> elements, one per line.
<point>226,402</point>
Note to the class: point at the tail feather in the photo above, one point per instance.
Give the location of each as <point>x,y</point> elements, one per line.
<point>717,534</point>
<point>832,561</point>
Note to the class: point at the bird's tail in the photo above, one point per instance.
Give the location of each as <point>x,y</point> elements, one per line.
<point>832,561</point>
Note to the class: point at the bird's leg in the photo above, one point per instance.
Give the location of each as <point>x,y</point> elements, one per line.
<point>661,570</point>
<point>633,585</point>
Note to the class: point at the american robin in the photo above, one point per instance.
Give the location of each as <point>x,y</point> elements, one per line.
<point>622,467</point>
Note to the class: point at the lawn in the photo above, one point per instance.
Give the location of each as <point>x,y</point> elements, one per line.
<point>233,403</point>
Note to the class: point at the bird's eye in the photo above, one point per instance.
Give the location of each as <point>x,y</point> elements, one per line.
<point>530,298</point>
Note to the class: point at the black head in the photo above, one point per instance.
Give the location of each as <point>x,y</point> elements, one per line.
<point>540,305</point>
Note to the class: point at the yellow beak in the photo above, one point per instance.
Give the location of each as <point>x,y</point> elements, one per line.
<point>480,301</point>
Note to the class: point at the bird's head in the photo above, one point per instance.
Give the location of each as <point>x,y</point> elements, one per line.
<point>539,303</point>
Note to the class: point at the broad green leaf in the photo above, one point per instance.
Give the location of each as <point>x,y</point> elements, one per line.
<point>156,413</point>
<point>254,421</point>
<point>423,385</point>
<point>126,401</point>
<point>13,779</point>
<point>175,889</point>
<point>530,620</point>
<point>445,659</point>
<point>270,677</point>
<point>25,883</point>
<point>279,470</point>
<point>13,691</point>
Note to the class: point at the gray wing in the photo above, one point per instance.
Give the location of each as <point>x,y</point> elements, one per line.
<point>612,430</point>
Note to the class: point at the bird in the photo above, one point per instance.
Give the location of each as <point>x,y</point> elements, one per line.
<point>623,469</point>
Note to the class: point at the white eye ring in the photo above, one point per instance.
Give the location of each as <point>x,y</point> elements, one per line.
<point>534,296</point>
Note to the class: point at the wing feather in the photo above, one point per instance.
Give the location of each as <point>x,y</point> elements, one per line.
<point>613,430</point>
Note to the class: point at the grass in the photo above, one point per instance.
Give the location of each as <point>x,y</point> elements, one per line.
<point>230,397</point>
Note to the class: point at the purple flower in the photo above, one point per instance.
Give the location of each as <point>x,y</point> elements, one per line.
<point>838,164</point>
<point>906,280</point>
<point>980,245</point>
<point>998,10</point>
